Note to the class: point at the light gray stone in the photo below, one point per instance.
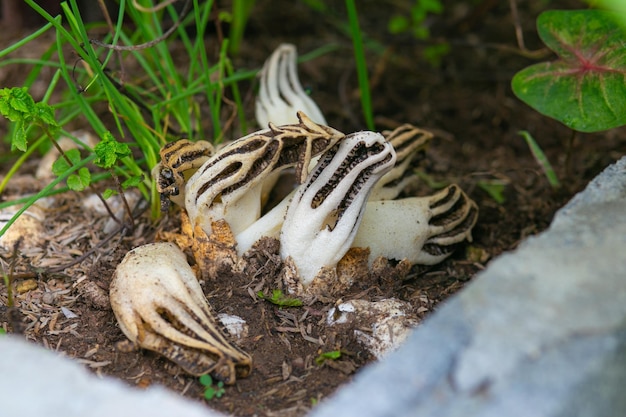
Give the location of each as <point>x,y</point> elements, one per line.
<point>35,382</point>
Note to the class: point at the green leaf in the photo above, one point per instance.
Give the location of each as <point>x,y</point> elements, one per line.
<point>280,299</point>
<point>398,24</point>
<point>80,181</point>
<point>108,193</point>
<point>584,88</point>
<point>209,393</point>
<point>61,165</point>
<point>495,189</point>
<point>45,114</point>
<point>225,16</point>
<point>206,380</point>
<point>19,141</point>
<point>133,181</point>
<point>433,6</point>
<point>435,53</point>
<point>16,104</point>
<point>108,151</point>
<point>332,355</point>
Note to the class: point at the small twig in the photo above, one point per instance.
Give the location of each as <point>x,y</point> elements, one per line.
<point>218,26</point>
<point>8,278</point>
<point>227,125</point>
<point>150,43</point>
<point>154,8</point>
<point>13,313</point>
<point>519,34</point>
<point>120,190</point>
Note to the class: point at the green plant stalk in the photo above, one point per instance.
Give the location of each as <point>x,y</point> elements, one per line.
<point>20,161</point>
<point>361,65</point>
<point>199,69</point>
<point>541,159</point>
<point>241,11</point>
<point>237,97</point>
<point>216,110</point>
<point>22,42</point>
<point>494,188</point>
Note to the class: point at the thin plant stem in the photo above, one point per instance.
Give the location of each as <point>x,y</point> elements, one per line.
<point>361,65</point>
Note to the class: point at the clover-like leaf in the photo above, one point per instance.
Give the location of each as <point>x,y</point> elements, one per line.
<point>584,88</point>
<point>80,181</point>
<point>19,107</point>
<point>108,151</point>
<point>45,114</point>
<point>61,165</point>
<point>16,104</point>
<point>20,140</point>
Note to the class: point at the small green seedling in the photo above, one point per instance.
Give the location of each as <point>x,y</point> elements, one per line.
<point>328,356</point>
<point>541,159</point>
<point>211,390</point>
<point>495,189</point>
<point>415,21</point>
<point>75,182</point>
<point>19,107</point>
<point>280,299</point>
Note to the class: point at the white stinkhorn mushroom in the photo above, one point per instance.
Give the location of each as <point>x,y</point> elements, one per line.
<point>160,306</point>
<point>179,160</point>
<point>422,230</point>
<point>230,184</point>
<point>268,225</point>
<point>407,141</point>
<point>280,93</point>
<point>326,210</point>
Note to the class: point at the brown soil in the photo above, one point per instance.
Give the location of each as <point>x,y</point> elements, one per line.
<point>466,101</point>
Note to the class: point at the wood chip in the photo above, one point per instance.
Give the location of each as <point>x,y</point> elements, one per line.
<point>93,364</point>
<point>25,286</point>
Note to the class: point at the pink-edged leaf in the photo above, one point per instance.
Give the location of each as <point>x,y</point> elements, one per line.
<point>585,88</point>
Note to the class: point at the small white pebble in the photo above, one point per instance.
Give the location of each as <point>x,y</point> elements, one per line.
<point>235,325</point>
<point>69,314</point>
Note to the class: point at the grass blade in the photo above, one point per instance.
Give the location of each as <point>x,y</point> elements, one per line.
<point>361,65</point>
<point>541,158</point>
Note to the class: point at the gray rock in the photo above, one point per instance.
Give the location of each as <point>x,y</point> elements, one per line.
<point>35,382</point>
